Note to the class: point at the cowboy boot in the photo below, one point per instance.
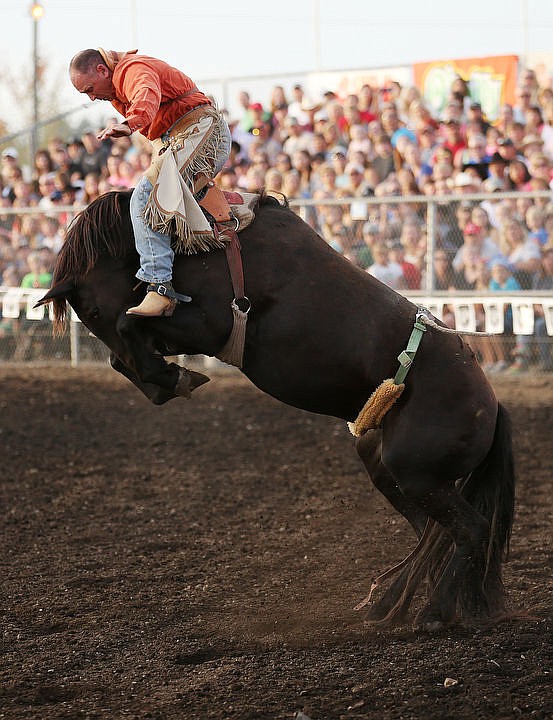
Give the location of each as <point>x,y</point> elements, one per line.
<point>160,301</point>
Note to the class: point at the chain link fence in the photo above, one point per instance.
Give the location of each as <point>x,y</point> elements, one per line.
<point>428,237</point>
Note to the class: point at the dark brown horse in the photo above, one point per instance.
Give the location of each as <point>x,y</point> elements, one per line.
<point>322,335</point>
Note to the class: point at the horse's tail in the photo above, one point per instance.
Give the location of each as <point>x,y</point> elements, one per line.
<point>490,489</point>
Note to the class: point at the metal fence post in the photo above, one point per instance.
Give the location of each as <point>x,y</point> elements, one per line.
<point>75,341</point>
<point>432,228</point>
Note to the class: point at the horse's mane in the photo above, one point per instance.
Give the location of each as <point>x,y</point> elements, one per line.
<point>98,229</point>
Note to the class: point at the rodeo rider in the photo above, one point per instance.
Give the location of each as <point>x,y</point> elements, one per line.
<point>164,105</point>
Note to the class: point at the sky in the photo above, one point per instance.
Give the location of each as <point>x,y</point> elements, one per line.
<point>214,41</point>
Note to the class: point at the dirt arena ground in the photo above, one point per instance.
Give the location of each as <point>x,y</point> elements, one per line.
<point>202,559</point>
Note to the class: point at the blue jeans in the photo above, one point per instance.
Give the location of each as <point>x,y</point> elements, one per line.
<point>154,248</point>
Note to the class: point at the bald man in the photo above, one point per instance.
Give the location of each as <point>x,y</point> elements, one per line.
<point>158,101</point>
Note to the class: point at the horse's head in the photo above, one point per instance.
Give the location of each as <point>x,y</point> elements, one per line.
<point>94,271</point>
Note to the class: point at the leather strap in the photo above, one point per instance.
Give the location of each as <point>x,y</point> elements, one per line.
<point>167,290</point>
<point>234,260</point>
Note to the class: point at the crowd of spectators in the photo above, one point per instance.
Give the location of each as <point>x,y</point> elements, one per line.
<point>375,143</point>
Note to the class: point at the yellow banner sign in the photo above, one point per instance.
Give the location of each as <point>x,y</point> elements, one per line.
<point>492,81</point>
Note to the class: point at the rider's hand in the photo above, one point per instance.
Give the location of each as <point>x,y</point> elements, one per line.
<point>115,131</point>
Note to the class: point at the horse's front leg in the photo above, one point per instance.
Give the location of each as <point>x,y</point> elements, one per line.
<point>156,394</point>
<point>148,370</point>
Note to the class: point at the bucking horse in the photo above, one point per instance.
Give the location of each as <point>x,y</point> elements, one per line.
<point>324,336</point>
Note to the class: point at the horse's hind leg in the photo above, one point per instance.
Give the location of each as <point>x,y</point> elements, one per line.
<point>452,561</point>
<point>457,576</point>
<point>369,449</point>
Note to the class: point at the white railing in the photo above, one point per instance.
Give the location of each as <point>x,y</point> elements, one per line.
<point>493,305</point>
<point>18,304</point>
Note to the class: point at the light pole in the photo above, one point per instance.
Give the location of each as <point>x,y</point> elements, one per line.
<point>134,33</point>
<point>525,32</point>
<point>37,11</point>
<point>317,33</point>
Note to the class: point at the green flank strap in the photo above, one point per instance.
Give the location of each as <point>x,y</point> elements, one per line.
<point>407,356</point>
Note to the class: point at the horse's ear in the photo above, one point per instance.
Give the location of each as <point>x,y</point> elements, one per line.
<point>62,290</point>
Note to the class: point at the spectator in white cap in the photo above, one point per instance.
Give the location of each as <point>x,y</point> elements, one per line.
<point>466,182</point>
<point>531,143</point>
<point>10,166</point>
<point>356,184</point>
<point>296,137</point>
<point>10,153</point>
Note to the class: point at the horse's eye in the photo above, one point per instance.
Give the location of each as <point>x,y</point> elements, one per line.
<point>95,314</point>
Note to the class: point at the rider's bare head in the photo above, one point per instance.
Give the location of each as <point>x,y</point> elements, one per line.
<point>90,75</point>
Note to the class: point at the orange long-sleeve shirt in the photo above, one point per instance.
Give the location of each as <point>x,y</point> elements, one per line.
<point>146,90</point>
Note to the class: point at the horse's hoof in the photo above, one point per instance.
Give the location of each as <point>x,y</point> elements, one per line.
<point>384,614</point>
<point>376,612</point>
<point>434,619</point>
<point>432,626</point>
<point>189,380</point>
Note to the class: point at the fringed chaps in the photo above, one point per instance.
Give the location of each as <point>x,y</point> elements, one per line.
<point>171,209</point>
